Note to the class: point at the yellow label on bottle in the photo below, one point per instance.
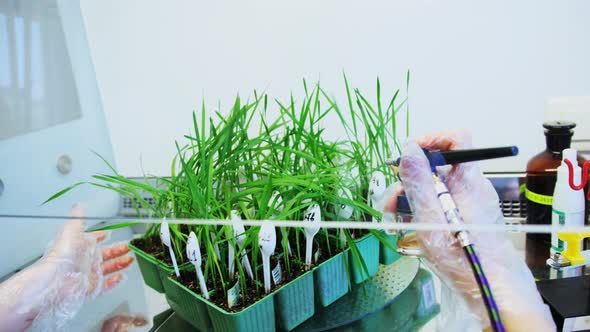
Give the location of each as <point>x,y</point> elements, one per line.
<point>538,198</point>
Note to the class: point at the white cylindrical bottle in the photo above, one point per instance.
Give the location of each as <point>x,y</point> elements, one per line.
<point>568,204</point>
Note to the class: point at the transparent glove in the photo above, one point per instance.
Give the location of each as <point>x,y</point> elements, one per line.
<point>47,294</point>
<point>123,323</point>
<point>512,283</point>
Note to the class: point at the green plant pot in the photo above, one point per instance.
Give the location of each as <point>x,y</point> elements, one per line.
<point>331,279</point>
<point>187,304</point>
<point>154,272</point>
<point>386,255</point>
<point>258,317</point>
<point>368,247</point>
<point>294,302</point>
<point>148,266</point>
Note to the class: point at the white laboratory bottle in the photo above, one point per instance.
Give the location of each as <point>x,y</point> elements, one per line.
<point>568,204</point>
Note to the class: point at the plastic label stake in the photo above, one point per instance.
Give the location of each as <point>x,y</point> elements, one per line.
<point>267,240</point>
<point>276,202</point>
<point>343,211</point>
<point>193,252</point>
<point>215,245</point>
<point>165,237</point>
<point>233,295</point>
<point>313,215</point>
<point>317,255</point>
<point>240,235</point>
<point>277,274</point>
<point>376,191</point>
<point>343,242</point>
<point>230,251</point>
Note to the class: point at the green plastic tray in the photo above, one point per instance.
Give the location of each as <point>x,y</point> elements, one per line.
<point>188,305</point>
<point>294,302</point>
<point>154,272</point>
<point>259,317</point>
<point>148,266</point>
<point>386,255</point>
<point>368,247</point>
<point>331,279</point>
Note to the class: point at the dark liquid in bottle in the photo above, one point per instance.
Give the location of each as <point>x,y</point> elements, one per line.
<point>540,184</point>
<point>537,246</point>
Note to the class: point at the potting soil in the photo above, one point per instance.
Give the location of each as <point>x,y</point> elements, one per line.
<point>320,243</point>
<point>252,295</point>
<point>153,246</point>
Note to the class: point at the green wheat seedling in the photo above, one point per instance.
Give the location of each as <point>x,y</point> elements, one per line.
<point>275,171</point>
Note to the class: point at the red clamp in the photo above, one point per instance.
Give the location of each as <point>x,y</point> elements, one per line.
<point>585,169</point>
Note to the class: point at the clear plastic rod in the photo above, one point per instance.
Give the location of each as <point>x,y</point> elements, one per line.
<point>508,227</point>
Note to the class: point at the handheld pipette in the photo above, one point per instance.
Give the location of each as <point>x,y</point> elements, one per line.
<point>440,158</point>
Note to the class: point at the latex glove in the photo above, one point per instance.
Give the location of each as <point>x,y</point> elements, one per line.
<point>512,283</point>
<point>47,294</point>
<point>123,323</point>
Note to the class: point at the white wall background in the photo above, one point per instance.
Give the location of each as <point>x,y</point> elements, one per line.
<point>487,66</point>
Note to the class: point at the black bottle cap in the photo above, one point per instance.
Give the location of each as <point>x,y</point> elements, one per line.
<point>559,127</point>
<point>403,206</point>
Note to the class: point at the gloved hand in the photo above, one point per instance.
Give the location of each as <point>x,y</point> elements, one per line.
<point>52,290</point>
<point>512,283</point>
<point>123,323</point>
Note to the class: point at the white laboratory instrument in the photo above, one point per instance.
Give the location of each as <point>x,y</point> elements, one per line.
<point>51,121</point>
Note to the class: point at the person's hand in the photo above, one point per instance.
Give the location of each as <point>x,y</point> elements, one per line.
<point>52,290</point>
<point>512,283</point>
<point>123,323</point>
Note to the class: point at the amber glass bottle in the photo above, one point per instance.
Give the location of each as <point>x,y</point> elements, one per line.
<point>541,175</point>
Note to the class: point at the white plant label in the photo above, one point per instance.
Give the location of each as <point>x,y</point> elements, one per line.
<point>215,245</point>
<point>267,240</point>
<point>165,233</point>
<point>377,184</point>
<point>376,191</point>
<point>276,202</point>
<point>314,216</point>
<point>277,274</point>
<point>230,260</point>
<point>233,295</point>
<point>344,211</point>
<point>317,255</point>
<point>246,265</point>
<point>193,252</point>
<point>343,242</point>
<point>230,249</point>
<point>235,216</point>
<point>165,237</point>
<point>240,235</point>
